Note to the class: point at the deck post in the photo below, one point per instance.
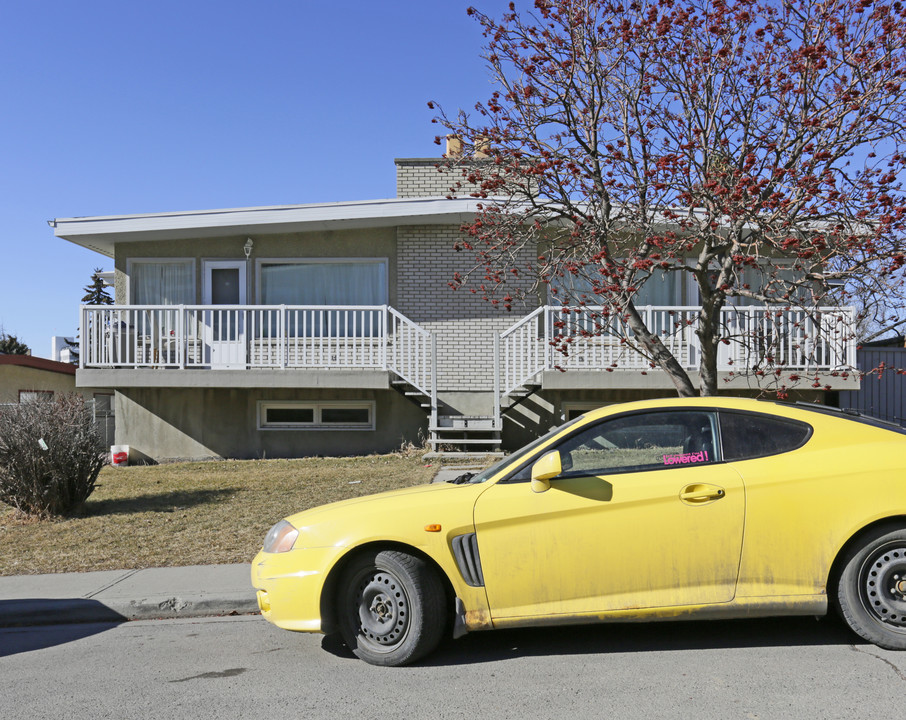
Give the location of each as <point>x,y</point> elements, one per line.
<point>83,330</point>
<point>433,381</point>
<point>497,422</point>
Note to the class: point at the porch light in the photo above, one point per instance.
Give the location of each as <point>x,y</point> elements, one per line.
<point>248,248</point>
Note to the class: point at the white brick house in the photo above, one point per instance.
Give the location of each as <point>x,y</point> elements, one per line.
<point>331,329</point>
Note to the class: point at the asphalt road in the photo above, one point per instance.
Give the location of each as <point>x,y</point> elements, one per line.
<point>242,667</point>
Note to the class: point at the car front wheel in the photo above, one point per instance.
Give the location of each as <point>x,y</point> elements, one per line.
<point>872,589</point>
<point>392,607</point>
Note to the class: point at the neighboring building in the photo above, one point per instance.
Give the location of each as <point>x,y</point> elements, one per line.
<point>25,377</point>
<point>883,391</point>
<point>330,329</point>
<point>61,348</point>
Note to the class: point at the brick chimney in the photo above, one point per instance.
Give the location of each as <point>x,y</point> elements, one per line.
<point>420,177</point>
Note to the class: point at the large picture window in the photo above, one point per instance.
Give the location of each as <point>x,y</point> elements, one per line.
<point>338,284</point>
<point>162,282</point>
<point>661,289</point>
<point>298,282</point>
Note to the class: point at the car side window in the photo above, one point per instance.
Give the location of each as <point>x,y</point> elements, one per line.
<point>747,435</point>
<point>646,441</point>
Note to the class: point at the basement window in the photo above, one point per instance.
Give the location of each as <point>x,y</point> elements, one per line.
<point>290,415</point>
<point>26,396</point>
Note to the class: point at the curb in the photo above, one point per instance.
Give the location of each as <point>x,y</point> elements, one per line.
<point>43,611</point>
<point>122,595</point>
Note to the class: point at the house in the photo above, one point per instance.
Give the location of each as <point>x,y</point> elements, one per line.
<point>24,378</point>
<point>330,329</point>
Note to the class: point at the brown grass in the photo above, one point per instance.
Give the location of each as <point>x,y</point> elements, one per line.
<point>191,513</point>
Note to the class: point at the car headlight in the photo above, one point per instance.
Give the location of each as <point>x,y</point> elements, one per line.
<point>280,538</point>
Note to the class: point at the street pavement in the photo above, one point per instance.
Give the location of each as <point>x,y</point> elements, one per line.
<point>151,593</point>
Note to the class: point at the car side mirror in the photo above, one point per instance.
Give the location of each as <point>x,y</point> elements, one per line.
<point>547,467</point>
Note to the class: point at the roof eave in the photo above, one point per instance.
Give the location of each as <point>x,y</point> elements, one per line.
<point>101,233</point>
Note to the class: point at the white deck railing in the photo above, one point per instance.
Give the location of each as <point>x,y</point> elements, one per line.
<point>256,336</point>
<point>757,338</point>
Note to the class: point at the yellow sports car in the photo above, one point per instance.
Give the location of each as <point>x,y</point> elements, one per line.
<point>668,509</point>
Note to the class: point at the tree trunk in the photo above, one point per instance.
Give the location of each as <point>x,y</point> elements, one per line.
<point>660,355</point>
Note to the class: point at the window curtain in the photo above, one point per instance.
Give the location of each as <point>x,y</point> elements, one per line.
<point>162,283</point>
<point>757,278</point>
<point>324,284</point>
<point>333,284</point>
<point>661,288</point>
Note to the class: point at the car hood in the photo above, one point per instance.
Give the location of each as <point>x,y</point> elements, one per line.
<point>392,515</point>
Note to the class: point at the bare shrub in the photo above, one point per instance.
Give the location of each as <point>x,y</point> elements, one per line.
<point>50,455</point>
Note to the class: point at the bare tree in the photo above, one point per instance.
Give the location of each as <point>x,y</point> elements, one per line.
<point>752,147</point>
<point>50,455</point>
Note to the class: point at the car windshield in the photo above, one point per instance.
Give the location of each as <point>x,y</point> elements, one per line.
<point>519,454</point>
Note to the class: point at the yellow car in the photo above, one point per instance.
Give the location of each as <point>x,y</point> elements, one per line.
<point>668,509</point>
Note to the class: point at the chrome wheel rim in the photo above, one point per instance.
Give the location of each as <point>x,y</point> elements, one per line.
<point>882,585</point>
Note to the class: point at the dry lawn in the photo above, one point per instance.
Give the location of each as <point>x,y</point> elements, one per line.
<point>191,513</point>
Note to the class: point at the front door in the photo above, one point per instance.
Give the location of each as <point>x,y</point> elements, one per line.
<point>642,516</point>
<point>224,321</point>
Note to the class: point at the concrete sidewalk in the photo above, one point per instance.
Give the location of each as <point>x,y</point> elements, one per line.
<point>117,595</point>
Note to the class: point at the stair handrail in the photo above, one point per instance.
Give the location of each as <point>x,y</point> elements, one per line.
<point>410,354</point>
<point>519,353</point>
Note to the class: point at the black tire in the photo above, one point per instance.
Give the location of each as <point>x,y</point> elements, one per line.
<point>872,589</point>
<point>391,607</point>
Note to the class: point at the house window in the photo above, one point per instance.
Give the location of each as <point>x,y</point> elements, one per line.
<point>333,282</point>
<point>315,416</point>
<point>35,395</point>
<point>572,410</point>
<point>162,282</point>
<point>661,288</point>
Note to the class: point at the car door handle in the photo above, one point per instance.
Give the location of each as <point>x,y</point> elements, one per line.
<point>701,493</point>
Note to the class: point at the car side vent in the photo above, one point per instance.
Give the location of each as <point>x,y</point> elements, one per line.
<point>465,550</point>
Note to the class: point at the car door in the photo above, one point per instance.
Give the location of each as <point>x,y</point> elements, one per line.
<point>642,515</point>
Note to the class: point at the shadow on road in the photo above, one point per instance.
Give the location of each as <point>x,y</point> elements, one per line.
<point>641,637</point>
<point>15,640</point>
<point>484,647</point>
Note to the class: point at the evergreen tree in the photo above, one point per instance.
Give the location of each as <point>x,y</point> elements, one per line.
<point>10,345</point>
<point>96,292</point>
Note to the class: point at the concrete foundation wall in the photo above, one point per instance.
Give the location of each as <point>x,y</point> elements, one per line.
<point>161,424</point>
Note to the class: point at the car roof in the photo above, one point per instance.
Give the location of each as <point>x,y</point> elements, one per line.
<point>799,410</point>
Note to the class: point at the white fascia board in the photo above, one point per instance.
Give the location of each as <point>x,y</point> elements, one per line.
<point>102,232</point>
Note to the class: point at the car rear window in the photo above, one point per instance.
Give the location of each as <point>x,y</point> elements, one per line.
<point>749,435</point>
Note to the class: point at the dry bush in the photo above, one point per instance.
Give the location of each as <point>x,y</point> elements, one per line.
<point>50,455</point>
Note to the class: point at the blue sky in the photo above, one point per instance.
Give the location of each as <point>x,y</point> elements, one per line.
<point>113,108</point>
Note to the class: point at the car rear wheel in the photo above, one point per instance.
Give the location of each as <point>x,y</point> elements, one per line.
<point>392,607</point>
<point>872,589</point>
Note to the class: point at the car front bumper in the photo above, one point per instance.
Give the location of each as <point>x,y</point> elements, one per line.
<point>289,586</point>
